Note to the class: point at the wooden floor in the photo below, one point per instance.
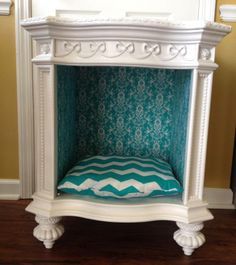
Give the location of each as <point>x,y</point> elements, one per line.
<point>89,242</point>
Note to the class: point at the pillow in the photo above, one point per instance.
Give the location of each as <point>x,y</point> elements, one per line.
<point>120,177</point>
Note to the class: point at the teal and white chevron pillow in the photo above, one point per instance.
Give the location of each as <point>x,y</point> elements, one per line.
<point>120,177</point>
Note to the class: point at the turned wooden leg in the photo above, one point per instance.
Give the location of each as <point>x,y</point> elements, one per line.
<point>48,230</point>
<point>189,237</point>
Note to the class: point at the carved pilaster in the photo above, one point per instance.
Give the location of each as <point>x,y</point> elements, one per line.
<point>44,113</point>
<point>41,123</point>
<point>200,118</point>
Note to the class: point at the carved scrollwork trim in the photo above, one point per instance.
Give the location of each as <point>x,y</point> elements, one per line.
<point>122,48</point>
<point>175,51</point>
<point>114,49</point>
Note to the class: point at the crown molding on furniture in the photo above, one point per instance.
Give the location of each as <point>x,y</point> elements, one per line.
<point>136,40</point>
<point>228,13</point>
<point>5,6</point>
<point>9,189</point>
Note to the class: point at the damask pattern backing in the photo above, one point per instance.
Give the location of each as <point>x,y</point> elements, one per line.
<point>67,116</point>
<point>122,111</point>
<point>180,107</point>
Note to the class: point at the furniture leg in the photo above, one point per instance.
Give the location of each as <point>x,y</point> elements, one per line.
<point>48,230</point>
<point>189,237</point>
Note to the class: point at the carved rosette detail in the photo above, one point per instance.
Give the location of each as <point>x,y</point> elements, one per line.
<point>205,54</point>
<point>44,49</point>
<point>189,237</point>
<point>114,49</point>
<point>48,230</point>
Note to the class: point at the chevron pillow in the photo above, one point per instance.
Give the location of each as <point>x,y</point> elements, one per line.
<point>120,177</point>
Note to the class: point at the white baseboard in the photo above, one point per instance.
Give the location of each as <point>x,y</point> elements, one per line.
<point>9,189</point>
<point>219,198</point>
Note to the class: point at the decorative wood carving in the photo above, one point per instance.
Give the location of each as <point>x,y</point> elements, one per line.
<point>189,237</point>
<point>48,230</point>
<point>45,49</point>
<point>41,129</point>
<point>199,140</point>
<point>205,54</point>
<point>114,49</point>
<point>156,43</point>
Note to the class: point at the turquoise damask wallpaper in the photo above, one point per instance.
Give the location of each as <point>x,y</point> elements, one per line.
<point>122,111</point>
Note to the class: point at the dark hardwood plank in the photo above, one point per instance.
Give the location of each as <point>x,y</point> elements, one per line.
<point>99,243</point>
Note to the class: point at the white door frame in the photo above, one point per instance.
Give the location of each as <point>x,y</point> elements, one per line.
<point>24,100</point>
<point>23,9</point>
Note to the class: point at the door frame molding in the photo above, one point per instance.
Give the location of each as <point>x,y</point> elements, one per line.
<point>23,9</point>
<point>25,100</point>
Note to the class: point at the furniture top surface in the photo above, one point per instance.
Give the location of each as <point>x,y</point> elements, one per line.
<point>125,21</point>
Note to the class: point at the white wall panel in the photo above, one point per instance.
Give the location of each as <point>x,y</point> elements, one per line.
<point>178,9</point>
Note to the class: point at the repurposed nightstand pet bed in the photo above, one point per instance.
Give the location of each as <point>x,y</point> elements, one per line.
<point>121,110</point>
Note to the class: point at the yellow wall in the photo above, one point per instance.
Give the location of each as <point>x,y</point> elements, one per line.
<point>8,104</point>
<point>223,110</point>
<point>222,121</point>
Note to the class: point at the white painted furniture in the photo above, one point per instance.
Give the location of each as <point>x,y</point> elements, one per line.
<point>131,42</point>
<point>177,10</point>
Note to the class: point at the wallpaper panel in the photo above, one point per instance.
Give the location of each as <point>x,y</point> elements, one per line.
<point>122,111</point>
<point>180,107</point>
<point>67,135</point>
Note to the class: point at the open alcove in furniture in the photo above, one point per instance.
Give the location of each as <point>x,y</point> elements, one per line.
<point>160,72</point>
